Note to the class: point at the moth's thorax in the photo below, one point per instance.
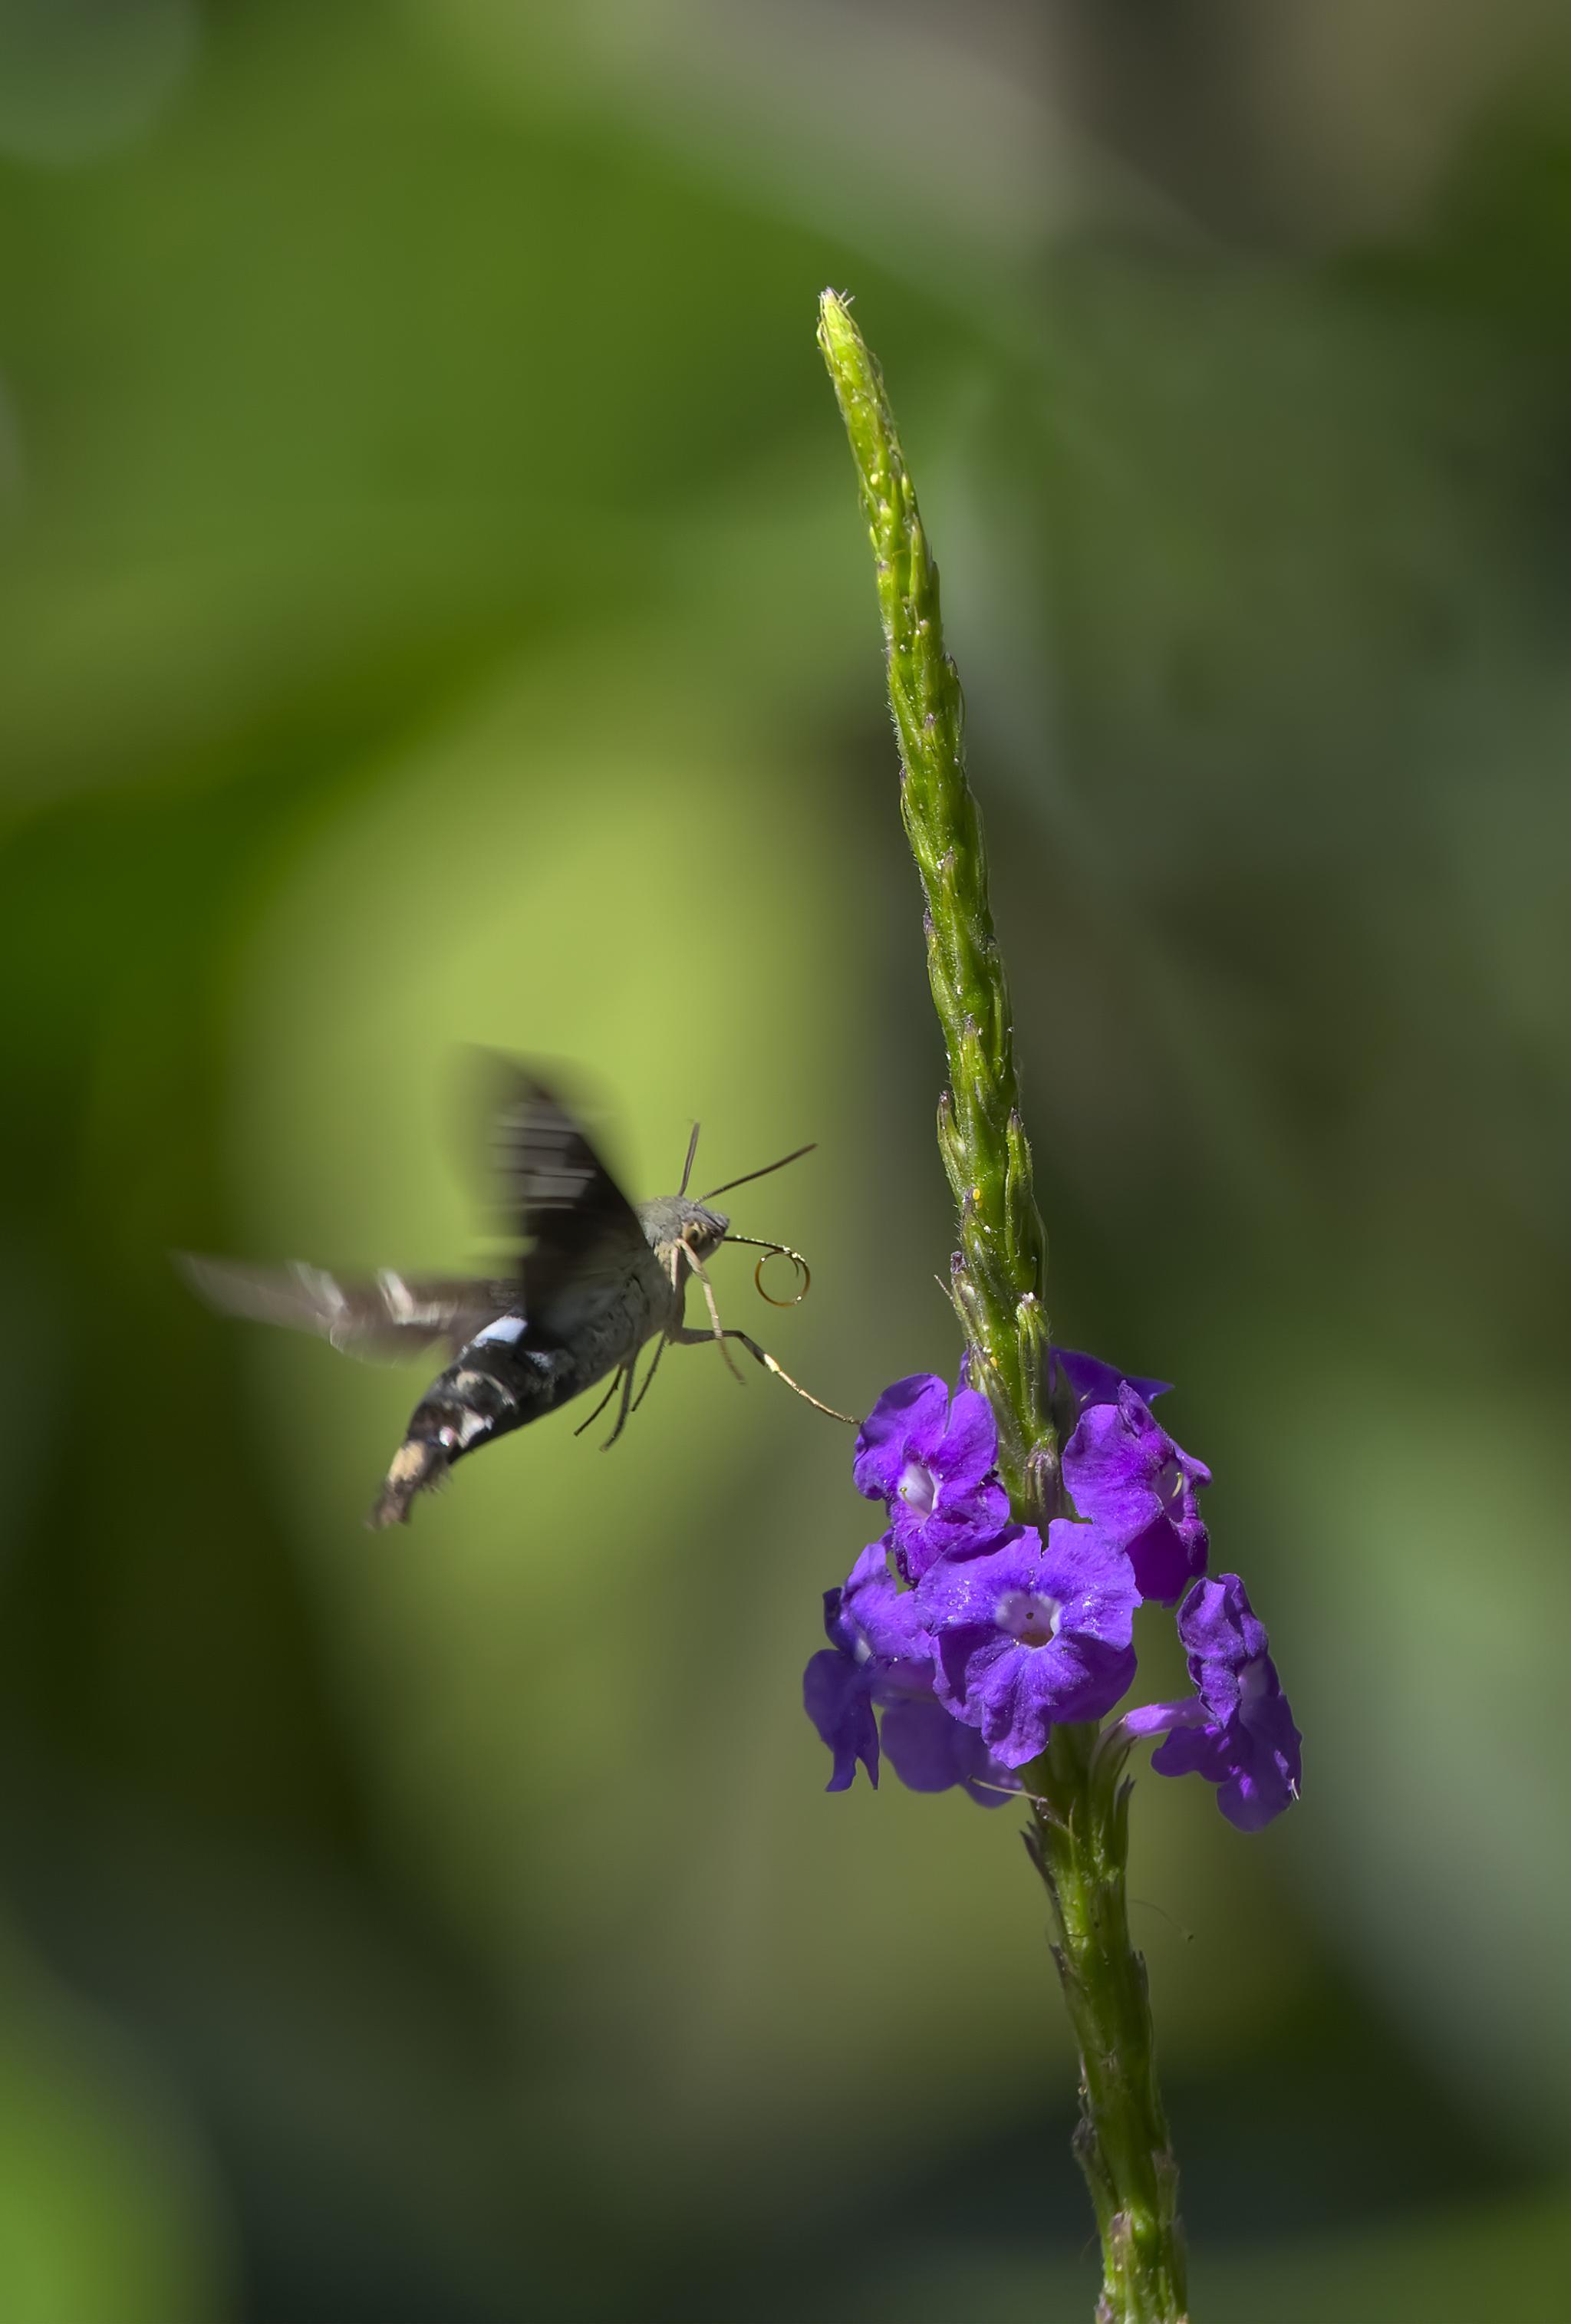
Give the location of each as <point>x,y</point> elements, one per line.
<point>672,1219</point>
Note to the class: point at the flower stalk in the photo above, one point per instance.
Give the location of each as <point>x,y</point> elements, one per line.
<point>1079,1839</point>
<point>1000,1274</point>
<point>1080,1846</point>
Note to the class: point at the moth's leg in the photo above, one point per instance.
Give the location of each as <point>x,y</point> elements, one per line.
<point>599,1408</point>
<point>686,1338</point>
<point>716,1333</point>
<point>659,1348</point>
<point>625,1376</point>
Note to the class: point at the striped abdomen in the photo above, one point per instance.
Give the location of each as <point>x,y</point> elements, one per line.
<point>508,1375</point>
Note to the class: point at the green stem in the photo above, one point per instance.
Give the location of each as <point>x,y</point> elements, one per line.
<point>1081,1841</point>
<point>999,1278</point>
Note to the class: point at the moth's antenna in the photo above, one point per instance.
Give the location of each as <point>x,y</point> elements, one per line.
<point>748,1175</point>
<point>688,1165</point>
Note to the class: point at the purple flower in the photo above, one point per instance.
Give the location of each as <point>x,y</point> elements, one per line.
<point>1236,1729</point>
<point>1029,1634</point>
<point>933,1464</point>
<point>879,1653</point>
<point>1130,1479</point>
<point>1091,1382</point>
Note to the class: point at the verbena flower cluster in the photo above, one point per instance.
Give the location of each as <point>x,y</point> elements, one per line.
<point>959,1638</point>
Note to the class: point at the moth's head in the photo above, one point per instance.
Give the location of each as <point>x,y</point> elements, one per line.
<point>702,1230</point>
<point>673,1222</point>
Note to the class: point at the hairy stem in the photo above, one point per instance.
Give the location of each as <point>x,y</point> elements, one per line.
<point>1080,1845</point>
<point>1080,1836</point>
<point>1000,1274</point>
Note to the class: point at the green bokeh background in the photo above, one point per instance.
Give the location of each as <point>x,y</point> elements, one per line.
<point>433,609</point>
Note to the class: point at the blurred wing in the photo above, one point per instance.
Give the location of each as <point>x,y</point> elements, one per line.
<point>391,1315</point>
<point>559,1196</point>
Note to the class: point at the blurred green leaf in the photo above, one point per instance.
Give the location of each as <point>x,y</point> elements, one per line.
<point>107,2207</point>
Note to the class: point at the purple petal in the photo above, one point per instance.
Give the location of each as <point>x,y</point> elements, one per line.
<point>1091,1382</point>
<point>1248,1745</point>
<point>1024,1693</point>
<point>1161,1717</point>
<point>930,1751</point>
<point>1087,1677</point>
<point>969,1449</point>
<point>913,1409</point>
<point>1222,1634</point>
<point>1260,1792</point>
<point>1089,1576</point>
<point>967,1590</point>
<point>966,1518</point>
<point>1110,1463</point>
<point>1167,1557</point>
<point>1014,1692</point>
<point>1192,1750</point>
<point>961,1657</point>
<point>836,1628</point>
<point>931,1461</point>
<point>881,1616</point>
<point>1093,1578</point>
<point>835,1698</point>
<point>880,1626</point>
<point>1126,1474</point>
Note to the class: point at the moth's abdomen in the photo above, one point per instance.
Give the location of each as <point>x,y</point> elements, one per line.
<point>419,1461</point>
<point>497,1384</point>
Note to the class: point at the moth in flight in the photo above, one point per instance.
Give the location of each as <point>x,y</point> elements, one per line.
<point>595,1280</point>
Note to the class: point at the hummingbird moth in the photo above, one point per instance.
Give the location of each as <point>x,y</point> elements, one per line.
<point>595,1280</point>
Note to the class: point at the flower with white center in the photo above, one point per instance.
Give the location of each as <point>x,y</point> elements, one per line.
<point>932,1461</point>
<point>1031,1633</point>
